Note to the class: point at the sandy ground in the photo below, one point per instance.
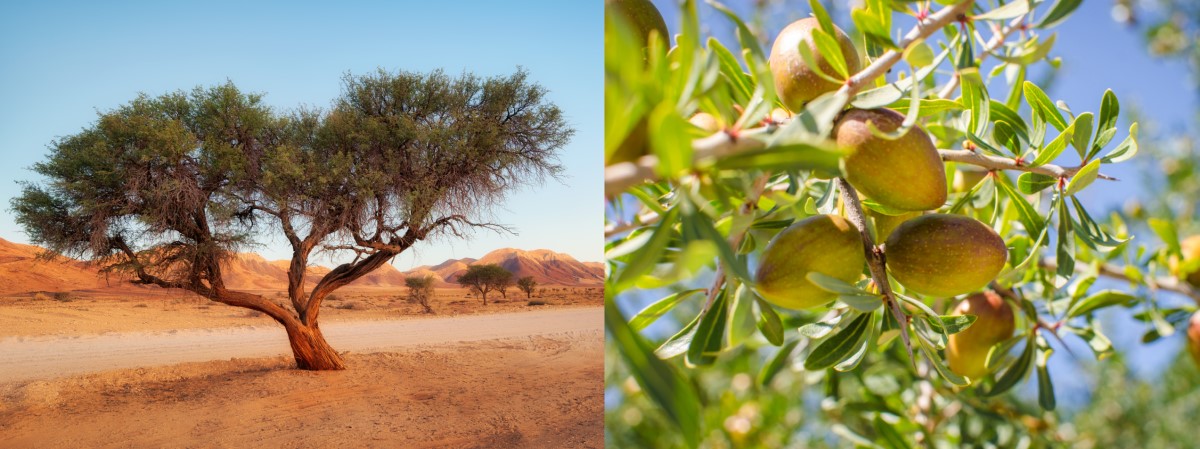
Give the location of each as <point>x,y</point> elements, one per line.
<point>537,392</point>
<point>125,309</point>
<point>498,379</point>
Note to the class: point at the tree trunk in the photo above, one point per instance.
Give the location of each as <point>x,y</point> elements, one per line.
<point>311,350</point>
<point>484,295</point>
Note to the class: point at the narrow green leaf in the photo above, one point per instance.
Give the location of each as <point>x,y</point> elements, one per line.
<point>835,285</point>
<point>1030,218</point>
<point>888,436</point>
<point>1127,149</point>
<point>1059,13</point>
<point>769,323</point>
<point>839,346</point>
<point>643,261</point>
<point>1041,105</point>
<point>710,334</point>
<point>661,382</point>
<point>1106,126</point>
<point>951,324</point>
<point>1008,11</point>
<point>1047,154</point>
<point>653,311</point>
<point>745,37</point>
<point>1065,254</point>
<point>940,365</point>
<point>1084,177</point>
<point>1167,233</point>
<point>1016,372</point>
<point>777,362</point>
<point>1083,134</point>
<point>1031,183</point>
<point>1045,386</point>
<point>1100,300</point>
<point>831,52</point>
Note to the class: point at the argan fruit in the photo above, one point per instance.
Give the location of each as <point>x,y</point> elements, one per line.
<point>795,82</point>
<point>967,350</point>
<point>826,244</point>
<point>904,174</point>
<point>1190,247</point>
<point>1193,336</point>
<point>885,224</point>
<point>944,255</point>
<point>706,122</point>
<point>966,176</point>
<point>641,15</point>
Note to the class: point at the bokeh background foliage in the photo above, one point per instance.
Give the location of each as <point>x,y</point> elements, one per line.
<point>696,359</point>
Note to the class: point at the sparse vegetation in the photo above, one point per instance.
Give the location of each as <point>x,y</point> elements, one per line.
<point>420,290</point>
<point>527,284</point>
<point>485,278</point>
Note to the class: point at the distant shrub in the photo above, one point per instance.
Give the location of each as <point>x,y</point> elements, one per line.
<point>41,297</point>
<point>62,297</point>
<point>537,303</point>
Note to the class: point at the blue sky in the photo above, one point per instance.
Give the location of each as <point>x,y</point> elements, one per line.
<point>60,62</point>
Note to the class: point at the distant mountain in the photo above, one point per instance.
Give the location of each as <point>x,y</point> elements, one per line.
<point>22,272</point>
<point>545,266</point>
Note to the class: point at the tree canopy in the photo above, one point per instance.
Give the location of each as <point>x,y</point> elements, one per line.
<point>165,189</point>
<point>484,278</point>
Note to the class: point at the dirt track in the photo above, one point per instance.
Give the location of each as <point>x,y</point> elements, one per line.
<point>28,358</point>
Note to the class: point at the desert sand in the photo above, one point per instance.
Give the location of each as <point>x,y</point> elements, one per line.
<point>509,374</point>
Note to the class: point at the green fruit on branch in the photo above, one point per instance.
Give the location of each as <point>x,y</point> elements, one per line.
<point>885,224</point>
<point>795,82</point>
<point>641,15</point>
<point>967,350</point>
<point>944,255</point>
<point>1193,336</point>
<point>904,174</point>
<point>826,244</point>
<point>1190,247</point>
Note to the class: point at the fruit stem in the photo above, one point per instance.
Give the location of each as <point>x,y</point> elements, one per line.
<point>876,259</point>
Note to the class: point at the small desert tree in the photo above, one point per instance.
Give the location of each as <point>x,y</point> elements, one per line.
<point>485,278</point>
<point>420,290</point>
<point>167,188</point>
<point>527,284</point>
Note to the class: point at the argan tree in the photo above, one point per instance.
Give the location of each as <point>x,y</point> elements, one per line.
<point>484,278</point>
<point>420,290</point>
<point>165,189</point>
<point>527,284</point>
<point>862,238</point>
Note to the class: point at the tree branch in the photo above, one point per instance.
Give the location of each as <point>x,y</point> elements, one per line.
<point>974,157</point>
<point>1114,272</point>
<point>995,42</point>
<point>621,176</point>
<point>876,262</point>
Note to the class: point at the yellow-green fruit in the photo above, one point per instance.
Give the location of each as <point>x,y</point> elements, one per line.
<point>967,350</point>
<point>826,244</point>
<point>905,174</point>
<point>641,15</point>
<point>706,122</point>
<point>966,177</point>
<point>944,255</point>
<point>1191,252</point>
<point>795,82</point>
<point>1193,336</point>
<point>885,224</point>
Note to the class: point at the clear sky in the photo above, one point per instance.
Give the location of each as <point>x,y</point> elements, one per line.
<point>60,62</point>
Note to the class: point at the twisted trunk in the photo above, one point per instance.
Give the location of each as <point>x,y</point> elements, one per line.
<point>311,350</point>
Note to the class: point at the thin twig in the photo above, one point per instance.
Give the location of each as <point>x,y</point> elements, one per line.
<point>735,240</point>
<point>875,258</point>
<point>974,157</point>
<point>997,40</point>
<point>1114,272</point>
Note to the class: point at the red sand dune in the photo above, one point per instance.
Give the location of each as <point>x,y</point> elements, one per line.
<point>22,272</point>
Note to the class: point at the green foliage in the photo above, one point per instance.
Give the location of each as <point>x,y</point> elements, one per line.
<point>484,278</point>
<point>868,366</point>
